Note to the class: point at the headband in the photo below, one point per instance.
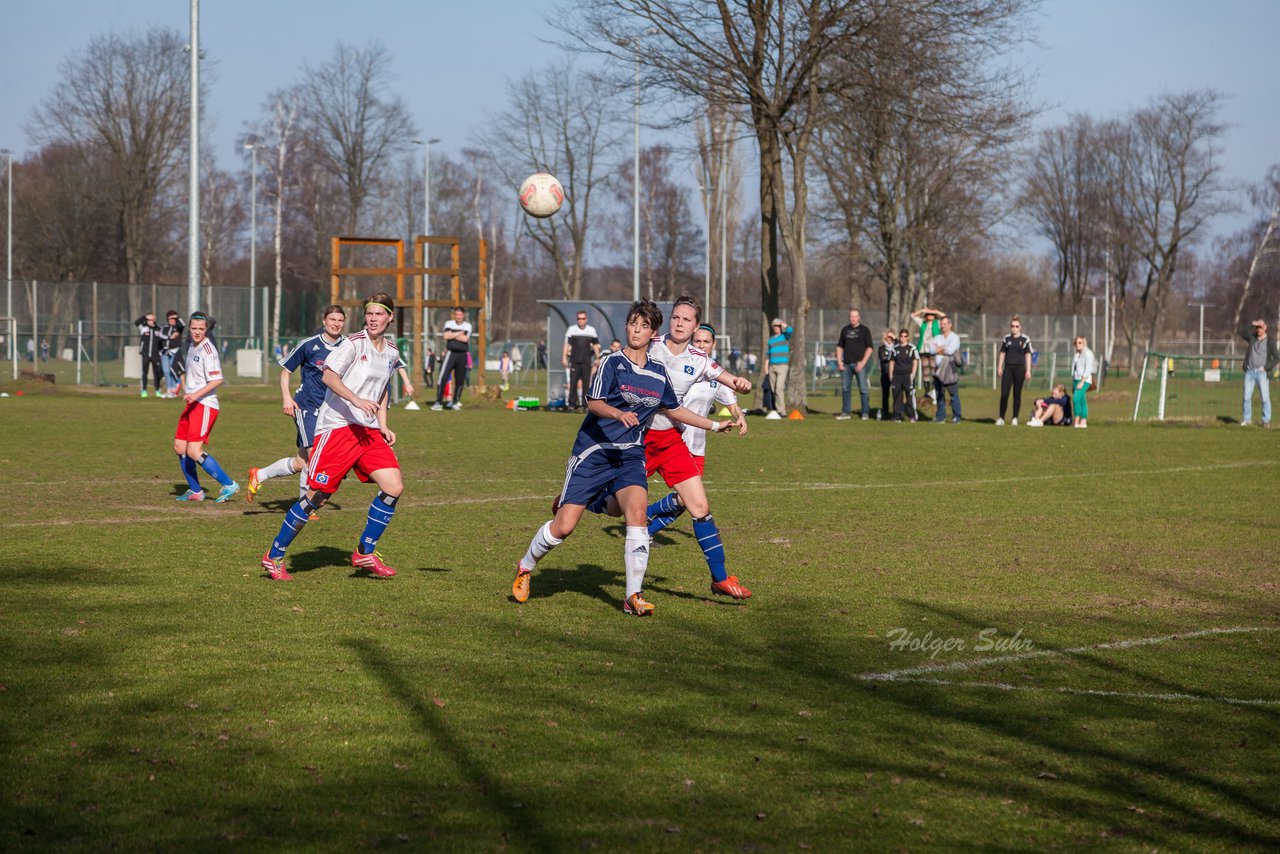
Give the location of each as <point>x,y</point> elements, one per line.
<point>379,305</point>
<point>709,328</point>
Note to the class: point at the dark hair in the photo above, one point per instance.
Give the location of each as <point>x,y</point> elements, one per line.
<point>903,332</point>
<point>171,313</point>
<point>648,310</point>
<point>335,309</point>
<point>381,298</point>
<point>685,299</point>
<point>459,308</point>
<point>198,315</point>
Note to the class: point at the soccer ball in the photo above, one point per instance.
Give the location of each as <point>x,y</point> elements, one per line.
<point>541,195</point>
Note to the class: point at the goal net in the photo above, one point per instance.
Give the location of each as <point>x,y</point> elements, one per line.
<point>1185,388</point>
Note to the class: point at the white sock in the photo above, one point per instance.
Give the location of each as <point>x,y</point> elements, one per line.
<point>302,480</point>
<point>279,468</point>
<point>636,557</point>
<point>541,543</point>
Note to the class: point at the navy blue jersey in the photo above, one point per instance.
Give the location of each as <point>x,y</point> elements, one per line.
<point>629,387</point>
<point>310,355</point>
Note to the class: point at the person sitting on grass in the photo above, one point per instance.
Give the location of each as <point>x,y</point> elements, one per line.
<point>1054,411</point>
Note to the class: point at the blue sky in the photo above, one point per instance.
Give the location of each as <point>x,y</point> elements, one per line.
<point>453,58</point>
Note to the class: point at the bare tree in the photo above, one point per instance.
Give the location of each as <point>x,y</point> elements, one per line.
<point>122,103</point>
<point>1170,187</point>
<point>564,122</point>
<point>355,122</point>
<point>1063,184</point>
<point>669,240</point>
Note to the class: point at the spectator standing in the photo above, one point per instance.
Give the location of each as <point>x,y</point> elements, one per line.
<point>151,344</point>
<point>457,338</point>
<point>429,368</point>
<point>779,365</point>
<point>1258,361</point>
<point>172,333</point>
<point>31,350</point>
<point>542,355</point>
<point>853,355</point>
<point>581,349</point>
<point>946,354</point>
<point>1013,366</point>
<point>884,354</point>
<point>928,321</point>
<point>903,365</point>
<point>44,352</point>
<point>504,369</point>
<point>1083,367</point>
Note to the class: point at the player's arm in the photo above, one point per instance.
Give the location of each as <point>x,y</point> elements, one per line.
<point>382,418</point>
<point>208,388</point>
<point>598,407</point>
<point>289,405</point>
<point>404,381</point>
<point>736,383</point>
<point>693,419</point>
<point>334,383</point>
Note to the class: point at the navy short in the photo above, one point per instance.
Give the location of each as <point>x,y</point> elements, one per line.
<point>305,420</point>
<point>602,471</point>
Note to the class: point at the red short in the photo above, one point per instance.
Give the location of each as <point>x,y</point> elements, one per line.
<point>666,453</point>
<point>341,449</point>
<point>195,423</point>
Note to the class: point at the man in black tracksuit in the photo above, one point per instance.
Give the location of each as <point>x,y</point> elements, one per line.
<point>154,340</point>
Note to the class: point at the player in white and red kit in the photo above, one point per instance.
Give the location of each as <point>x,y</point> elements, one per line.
<point>666,453</point>
<point>200,385</point>
<point>352,433</point>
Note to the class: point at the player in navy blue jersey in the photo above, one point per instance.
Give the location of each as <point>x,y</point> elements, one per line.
<point>303,406</point>
<point>608,454</point>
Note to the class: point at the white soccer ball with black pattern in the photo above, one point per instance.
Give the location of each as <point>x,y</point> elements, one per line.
<point>541,195</point>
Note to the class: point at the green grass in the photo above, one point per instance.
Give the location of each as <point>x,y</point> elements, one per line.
<point>159,693</point>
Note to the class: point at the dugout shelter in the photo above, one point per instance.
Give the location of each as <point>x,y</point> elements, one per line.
<point>609,317</point>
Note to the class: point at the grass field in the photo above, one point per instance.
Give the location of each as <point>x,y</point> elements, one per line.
<point>159,692</point>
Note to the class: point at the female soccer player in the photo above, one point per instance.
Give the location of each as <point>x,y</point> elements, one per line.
<point>666,453</point>
<point>352,432</point>
<point>304,406</point>
<point>609,454</point>
<point>701,398</point>
<point>200,385</point>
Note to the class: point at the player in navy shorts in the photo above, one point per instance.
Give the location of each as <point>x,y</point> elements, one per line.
<point>303,406</point>
<point>608,454</point>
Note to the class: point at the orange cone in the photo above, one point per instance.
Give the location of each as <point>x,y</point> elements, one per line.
<point>511,404</point>
<point>795,415</point>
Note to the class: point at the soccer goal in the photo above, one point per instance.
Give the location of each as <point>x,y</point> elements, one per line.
<point>1179,387</point>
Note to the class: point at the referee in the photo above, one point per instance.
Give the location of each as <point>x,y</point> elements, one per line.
<point>581,348</point>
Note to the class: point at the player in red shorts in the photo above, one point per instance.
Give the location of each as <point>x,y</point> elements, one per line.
<point>200,386</point>
<point>666,453</point>
<point>352,433</point>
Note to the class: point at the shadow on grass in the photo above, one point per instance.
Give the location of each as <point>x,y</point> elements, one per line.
<point>523,825</point>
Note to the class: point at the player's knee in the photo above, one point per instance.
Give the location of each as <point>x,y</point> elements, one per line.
<point>195,450</point>
<point>698,507</point>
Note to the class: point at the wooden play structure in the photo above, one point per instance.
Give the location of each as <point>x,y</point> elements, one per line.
<point>415,303</point>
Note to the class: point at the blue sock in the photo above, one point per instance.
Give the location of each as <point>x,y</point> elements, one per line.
<point>188,467</point>
<point>211,468</point>
<point>709,538</point>
<point>663,512</point>
<point>381,510</point>
<point>599,505</point>
<point>294,521</point>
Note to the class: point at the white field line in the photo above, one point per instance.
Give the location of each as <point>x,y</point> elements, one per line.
<point>969,664</point>
<point>1090,692</point>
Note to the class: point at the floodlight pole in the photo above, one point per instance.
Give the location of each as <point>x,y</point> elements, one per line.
<point>426,224</point>
<point>193,200</point>
<point>8,277</point>
<point>252,148</point>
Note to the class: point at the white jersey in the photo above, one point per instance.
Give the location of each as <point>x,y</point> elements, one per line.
<point>684,369</point>
<point>203,366</point>
<point>701,399</point>
<point>365,370</point>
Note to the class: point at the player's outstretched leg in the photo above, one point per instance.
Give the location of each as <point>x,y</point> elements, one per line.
<point>294,521</point>
<point>543,541</point>
<point>708,534</point>
<point>211,468</point>
<point>366,556</point>
<point>257,476</point>
<point>663,512</point>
